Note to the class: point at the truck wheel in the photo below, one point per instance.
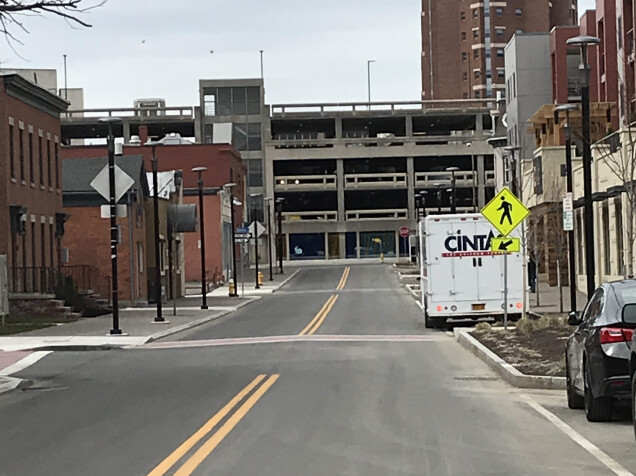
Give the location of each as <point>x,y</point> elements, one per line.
<point>431,322</point>
<point>596,408</point>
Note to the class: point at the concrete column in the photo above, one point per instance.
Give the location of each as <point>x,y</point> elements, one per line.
<point>409,126</point>
<point>342,243</point>
<point>338,127</point>
<point>410,180</point>
<point>481,182</point>
<point>340,184</point>
<point>126,131</point>
<point>327,245</point>
<point>268,173</point>
<point>479,124</point>
<point>358,244</point>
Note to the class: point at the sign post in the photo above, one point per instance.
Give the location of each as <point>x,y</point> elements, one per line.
<point>505,212</point>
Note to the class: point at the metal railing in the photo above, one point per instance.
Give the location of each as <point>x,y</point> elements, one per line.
<point>391,180</point>
<point>302,182</point>
<point>47,280</point>
<point>462,179</point>
<point>304,143</point>
<point>173,112</point>
<point>389,214</point>
<point>382,106</point>
<point>314,216</point>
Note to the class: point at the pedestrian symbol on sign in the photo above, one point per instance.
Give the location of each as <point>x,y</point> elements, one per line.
<point>506,206</point>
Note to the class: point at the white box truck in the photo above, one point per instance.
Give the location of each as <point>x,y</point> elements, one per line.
<point>460,276</point>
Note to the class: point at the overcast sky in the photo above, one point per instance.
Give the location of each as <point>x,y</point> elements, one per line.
<point>314,51</point>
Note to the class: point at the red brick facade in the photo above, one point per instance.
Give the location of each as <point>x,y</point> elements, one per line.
<point>454,41</point>
<point>30,175</point>
<point>224,164</point>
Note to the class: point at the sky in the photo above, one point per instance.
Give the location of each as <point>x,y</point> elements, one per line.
<point>313,51</point>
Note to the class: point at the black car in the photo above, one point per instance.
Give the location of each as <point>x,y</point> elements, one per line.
<point>597,353</point>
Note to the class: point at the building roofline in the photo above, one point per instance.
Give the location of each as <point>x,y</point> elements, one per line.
<point>35,95</point>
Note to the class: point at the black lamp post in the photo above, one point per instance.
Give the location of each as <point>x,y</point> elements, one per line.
<point>584,68</point>
<point>204,286</point>
<point>439,197</point>
<point>418,202</point>
<point>569,187</point>
<point>515,169</point>
<point>155,201</point>
<point>422,207</point>
<point>228,189</point>
<point>113,223</point>
<point>256,195</point>
<point>279,210</point>
<point>452,170</point>
<point>269,238</point>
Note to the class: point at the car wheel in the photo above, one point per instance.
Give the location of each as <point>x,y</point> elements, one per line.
<point>575,401</point>
<point>596,408</point>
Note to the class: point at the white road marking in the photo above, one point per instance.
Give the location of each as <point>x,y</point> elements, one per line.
<point>24,363</point>
<point>294,338</point>
<point>579,439</point>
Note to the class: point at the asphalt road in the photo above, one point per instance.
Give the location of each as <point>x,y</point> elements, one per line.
<point>365,390</point>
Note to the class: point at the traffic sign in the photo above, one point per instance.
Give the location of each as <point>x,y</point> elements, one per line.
<point>503,244</point>
<point>244,236</point>
<point>505,212</point>
<point>405,231</point>
<point>259,228</point>
<point>243,230</point>
<point>568,212</point>
<point>101,183</point>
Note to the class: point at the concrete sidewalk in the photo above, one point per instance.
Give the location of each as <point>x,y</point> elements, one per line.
<point>549,300</point>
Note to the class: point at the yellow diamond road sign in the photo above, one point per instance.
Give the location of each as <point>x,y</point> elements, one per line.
<point>503,245</point>
<point>505,212</point>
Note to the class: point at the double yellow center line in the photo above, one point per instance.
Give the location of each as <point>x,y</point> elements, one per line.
<point>260,383</point>
<point>319,318</point>
<point>343,280</point>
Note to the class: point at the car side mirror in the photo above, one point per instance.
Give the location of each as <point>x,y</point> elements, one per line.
<point>574,319</point>
<point>628,313</point>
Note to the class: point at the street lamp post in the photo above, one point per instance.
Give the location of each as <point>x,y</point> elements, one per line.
<point>113,223</point>
<point>269,238</point>
<point>155,201</point>
<point>439,197</point>
<point>228,188</point>
<point>515,169</point>
<point>423,194</point>
<point>452,170</point>
<point>256,195</point>
<point>569,188</point>
<point>418,202</point>
<point>204,287</point>
<point>584,68</point>
<point>279,251</point>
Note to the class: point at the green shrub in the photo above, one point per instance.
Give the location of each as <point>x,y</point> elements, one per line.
<point>527,326</point>
<point>483,327</point>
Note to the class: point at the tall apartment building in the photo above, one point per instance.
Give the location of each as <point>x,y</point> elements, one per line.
<point>463,43</point>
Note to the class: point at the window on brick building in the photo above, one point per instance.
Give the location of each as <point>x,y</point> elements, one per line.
<point>31,165</point>
<point>476,54</point>
<point>21,139</point>
<point>477,74</point>
<point>48,162</point>
<point>518,12</point>
<point>499,32</point>
<point>40,160</point>
<point>11,151</point>
<point>57,165</point>
<point>499,11</point>
<point>475,34</point>
<point>477,95</point>
<point>464,56</point>
<point>500,53</point>
<point>475,13</point>
<point>52,245</point>
<point>465,76</point>
<point>462,15</point>
<point>463,36</point>
<point>465,95</point>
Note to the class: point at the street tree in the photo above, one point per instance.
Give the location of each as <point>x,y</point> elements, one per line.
<point>13,12</point>
<point>618,152</point>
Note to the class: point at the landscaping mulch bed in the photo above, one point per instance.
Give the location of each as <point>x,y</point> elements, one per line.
<point>536,352</point>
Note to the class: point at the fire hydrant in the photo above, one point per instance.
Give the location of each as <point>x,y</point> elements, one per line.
<point>260,278</point>
<point>231,287</point>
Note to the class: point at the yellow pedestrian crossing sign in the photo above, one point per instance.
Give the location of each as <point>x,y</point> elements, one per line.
<point>505,245</point>
<point>505,212</point>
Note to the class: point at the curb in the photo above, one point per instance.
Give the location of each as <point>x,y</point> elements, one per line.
<point>507,372</point>
<point>286,281</point>
<point>12,383</point>
<point>197,323</point>
<point>416,298</point>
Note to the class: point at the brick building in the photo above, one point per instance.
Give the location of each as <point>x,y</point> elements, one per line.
<point>463,43</point>
<point>224,165</point>
<point>30,174</point>
<point>86,241</point>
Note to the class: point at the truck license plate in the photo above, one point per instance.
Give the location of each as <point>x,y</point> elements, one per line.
<point>479,307</point>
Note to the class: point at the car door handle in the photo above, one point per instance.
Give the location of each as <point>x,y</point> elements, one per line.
<point>479,262</point>
<point>474,263</point>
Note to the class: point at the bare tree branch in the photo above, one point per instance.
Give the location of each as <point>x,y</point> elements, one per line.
<point>69,10</point>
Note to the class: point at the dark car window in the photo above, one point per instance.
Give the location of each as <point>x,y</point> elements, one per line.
<point>595,306</point>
